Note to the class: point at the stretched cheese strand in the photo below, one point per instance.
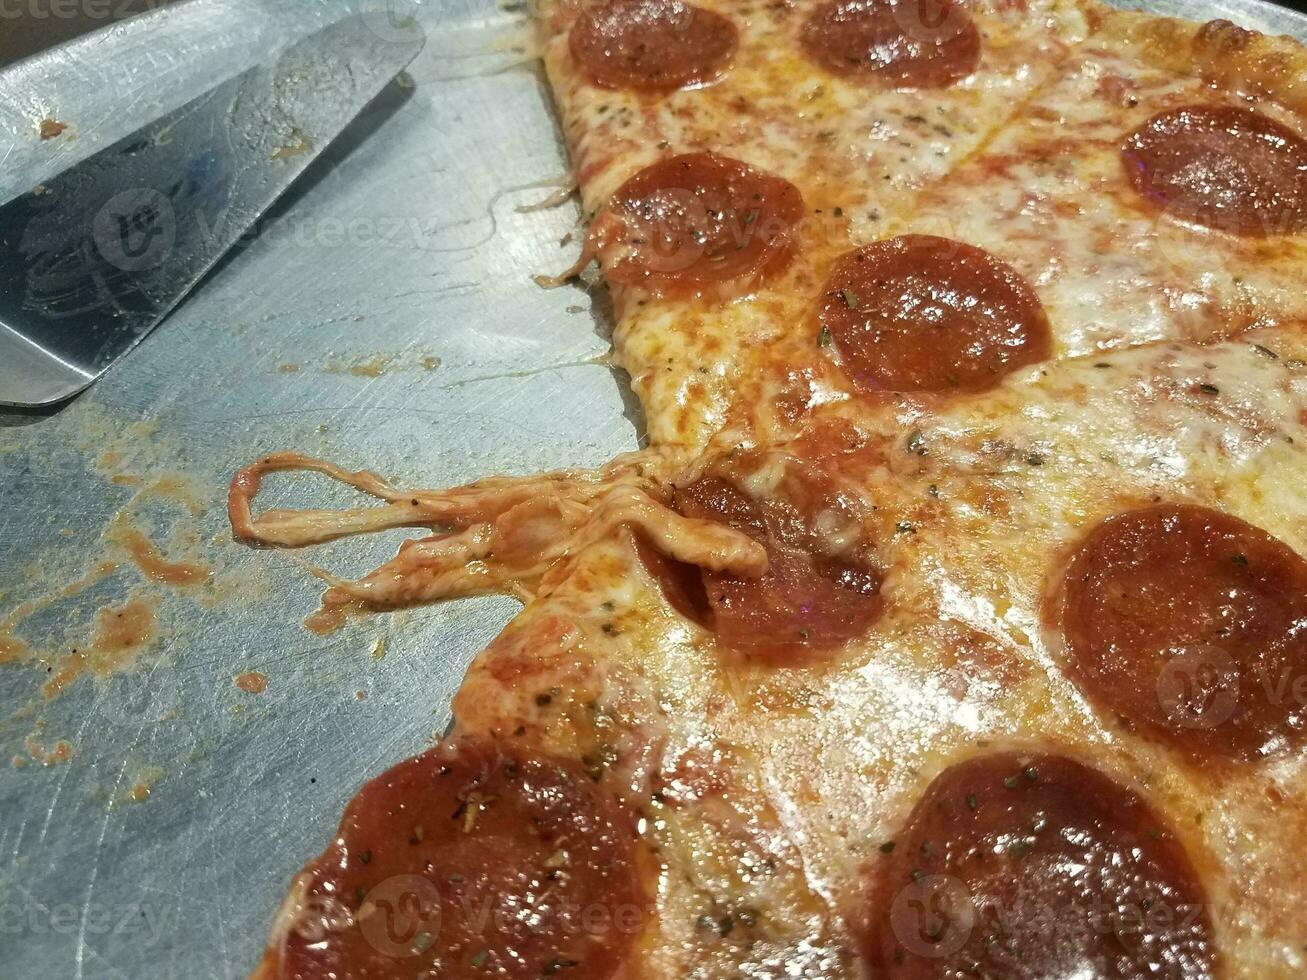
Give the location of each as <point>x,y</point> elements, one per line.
<point>497,535</point>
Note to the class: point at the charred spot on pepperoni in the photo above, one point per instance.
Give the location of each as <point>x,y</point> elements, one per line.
<point>1191,626</point>
<point>652,45</point>
<point>1036,866</point>
<point>822,587</point>
<point>902,43</point>
<point>698,223</point>
<point>1222,167</point>
<point>921,313</point>
<point>471,859</point>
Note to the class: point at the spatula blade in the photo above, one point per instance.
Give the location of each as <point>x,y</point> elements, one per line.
<point>94,259</point>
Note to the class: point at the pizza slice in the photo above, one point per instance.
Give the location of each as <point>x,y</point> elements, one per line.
<point>1151,188</point>
<point>933,636</point>
<point>726,151</point>
<point>1102,563</point>
<point>1156,190</point>
<point>988,708</point>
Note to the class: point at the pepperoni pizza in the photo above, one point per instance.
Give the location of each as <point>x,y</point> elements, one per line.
<point>954,623</point>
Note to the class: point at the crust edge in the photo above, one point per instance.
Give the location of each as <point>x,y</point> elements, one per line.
<point>1229,57</point>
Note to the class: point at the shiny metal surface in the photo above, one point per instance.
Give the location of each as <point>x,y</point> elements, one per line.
<point>92,259</point>
<point>384,317</point>
<point>115,81</point>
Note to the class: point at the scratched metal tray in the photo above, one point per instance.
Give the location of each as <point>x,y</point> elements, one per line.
<point>384,317</point>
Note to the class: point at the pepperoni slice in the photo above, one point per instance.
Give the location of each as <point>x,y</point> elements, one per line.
<point>903,43</point>
<point>698,221</point>
<point>1191,625</point>
<point>471,860</point>
<point>814,596</point>
<point>652,45</point>
<point>921,313</point>
<point>681,583</point>
<point>1222,167</point>
<point>1037,866</point>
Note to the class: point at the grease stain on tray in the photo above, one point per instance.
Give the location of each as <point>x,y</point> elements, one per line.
<point>53,755</point>
<point>143,783</point>
<point>176,487</point>
<point>14,648</point>
<point>324,622</point>
<point>152,563</point>
<point>251,682</point>
<point>105,634</point>
<point>297,145</point>
<point>11,648</point>
<point>120,634</point>
<point>51,128</point>
<point>375,366</point>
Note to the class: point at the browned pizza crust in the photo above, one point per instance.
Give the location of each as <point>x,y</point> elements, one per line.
<point>1228,56</point>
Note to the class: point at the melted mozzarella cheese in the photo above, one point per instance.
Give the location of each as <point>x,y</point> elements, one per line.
<point>858,155</point>
<point>811,770</point>
<point>765,795</point>
<point>1050,195</point>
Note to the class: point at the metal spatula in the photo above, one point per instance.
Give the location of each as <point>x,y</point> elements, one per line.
<point>93,258</point>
